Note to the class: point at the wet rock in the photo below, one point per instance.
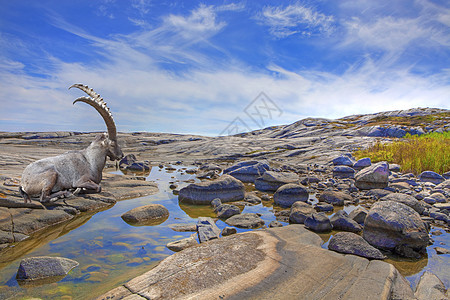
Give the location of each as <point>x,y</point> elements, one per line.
<point>183,227</point>
<point>275,224</point>
<point>300,211</point>
<point>430,287</point>
<point>362,163</point>
<point>290,193</point>
<point>322,206</point>
<point>139,166</point>
<point>373,177</point>
<point>228,231</point>
<point>351,243</point>
<point>247,220</point>
<point>343,161</point>
<point>247,171</point>
<point>430,176</point>
<point>394,226</point>
<point>127,161</point>
<point>151,214</point>
<point>334,198</point>
<point>182,244</point>
<point>358,215</point>
<point>341,221</point>
<point>11,237</point>
<point>343,172</point>
<point>405,199</point>
<point>224,211</point>
<point>440,250</point>
<point>42,267</point>
<point>318,222</point>
<point>227,188</point>
<point>271,181</point>
<point>207,229</point>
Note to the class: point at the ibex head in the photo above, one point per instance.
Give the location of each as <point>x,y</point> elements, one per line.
<point>108,141</point>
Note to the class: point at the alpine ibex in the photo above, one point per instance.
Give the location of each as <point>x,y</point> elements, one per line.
<point>74,170</point>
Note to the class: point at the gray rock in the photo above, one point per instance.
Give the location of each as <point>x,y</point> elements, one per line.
<point>252,198</point>
<point>373,177</point>
<point>228,231</point>
<point>335,198</point>
<point>341,221</point>
<point>442,206</point>
<point>446,175</point>
<point>430,176</point>
<point>247,171</point>
<point>216,203</point>
<point>207,229</point>
<point>444,185</point>
<point>247,220</point>
<point>430,287</point>
<point>271,180</point>
<point>42,267</point>
<point>394,226</point>
<point>182,244</point>
<point>322,206</point>
<point>394,167</point>
<point>275,224</point>
<point>318,222</point>
<point>138,166</point>
<point>224,211</point>
<point>378,193</point>
<point>440,250</point>
<point>299,212</point>
<point>227,188</point>
<point>288,194</point>
<point>438,197</point>
<point>362,163</point>
<point>151,214</point>
<point>183,227</point>
<point>343,161</point>
<point>405,199</point>
<point>439,216</point>
<point>429,200</point>
<point>358,215</point>
<point>343,172</point>
<point>351,243</point>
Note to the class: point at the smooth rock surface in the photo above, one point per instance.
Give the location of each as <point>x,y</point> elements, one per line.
<point>430,287</point>
<point>182,244</point>
<point>430,176</point>
<point>341,221</point>
<point>247,220</point>
<point>300,211</point>
<point>247,171</point>
<point>273,264</point>
<point>318,222</point>
<point>207,229</point>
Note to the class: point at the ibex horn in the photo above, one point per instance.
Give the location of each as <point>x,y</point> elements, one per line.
<point>99,104</point>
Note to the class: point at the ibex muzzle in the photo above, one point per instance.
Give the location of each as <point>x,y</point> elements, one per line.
<point>74,170</point>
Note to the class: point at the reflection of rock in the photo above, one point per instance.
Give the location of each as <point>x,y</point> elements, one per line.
<point>226,188</point>
<point>152,214</point>
<point>35,268</point>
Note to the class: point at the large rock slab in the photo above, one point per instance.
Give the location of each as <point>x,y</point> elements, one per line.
<point>37,268</point>
<point>351,243</point>
<point>374,177</point>
<point>226,188</point>
<point>271,181</point>
<point>152,214</point>
<point>396,227</point>
<point>277,263</point>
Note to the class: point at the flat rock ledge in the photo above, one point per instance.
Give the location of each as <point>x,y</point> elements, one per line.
<point>277,263</point>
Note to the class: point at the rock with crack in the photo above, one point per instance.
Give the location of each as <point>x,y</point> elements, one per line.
<point>207,229</point>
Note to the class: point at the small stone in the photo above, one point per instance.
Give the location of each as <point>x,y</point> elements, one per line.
<point>318,222</point>
<point>228,231</point>
<point>430,176</point>
<point>362,163</point>
<point>275,224</point>
<point>358,215</point>
<point>216,203</point>
<point>343,172</point>
<point>151,214</point>
<point>322,206</point>
<point>41,267</point>
<point>440,250</point>
<point>334,198</point>
<point>375,176</point>
<point>341,221</point>
<point>224,211</point>
<point>182,244</point>
<point>351,243</point>
<point>343,161</point>
<point>299,212</point>
<point>247,220</point>
<point>288,194</point>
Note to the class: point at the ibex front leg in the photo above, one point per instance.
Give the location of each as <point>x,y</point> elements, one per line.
<point>87,187</point>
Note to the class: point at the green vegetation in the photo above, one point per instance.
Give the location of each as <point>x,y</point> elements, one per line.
<point>414,153</point>
<point>409,121</point>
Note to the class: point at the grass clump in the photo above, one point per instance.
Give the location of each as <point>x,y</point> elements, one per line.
<point>428,152</point>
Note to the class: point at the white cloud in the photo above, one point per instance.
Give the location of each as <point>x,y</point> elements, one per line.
<point>295,19</point>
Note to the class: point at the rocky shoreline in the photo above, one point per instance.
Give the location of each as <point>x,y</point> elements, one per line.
<point>286,164</point>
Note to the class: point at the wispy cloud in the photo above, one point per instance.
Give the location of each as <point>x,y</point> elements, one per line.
<point>295,19</point>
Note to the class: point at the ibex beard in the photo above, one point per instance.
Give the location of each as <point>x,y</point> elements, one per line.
<point>75,171</point>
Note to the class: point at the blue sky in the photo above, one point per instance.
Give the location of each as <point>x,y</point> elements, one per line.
<point>194,67</point>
